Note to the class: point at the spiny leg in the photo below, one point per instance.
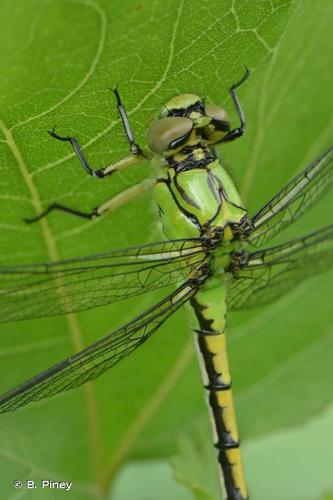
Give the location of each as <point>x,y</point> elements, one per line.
<point>61,208</point>
<point>136,153</point>
<point>239,131</point>
<point>134,147</point>
<point>120,199</point>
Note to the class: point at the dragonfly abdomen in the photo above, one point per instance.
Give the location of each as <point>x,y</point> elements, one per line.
<point>210,308</point>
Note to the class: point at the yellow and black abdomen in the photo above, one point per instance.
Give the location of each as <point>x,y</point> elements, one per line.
<point>209,327</point>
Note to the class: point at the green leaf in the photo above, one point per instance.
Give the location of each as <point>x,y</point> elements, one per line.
<point>58,61</point>
<point>288,452</point>
<point>328,496</point>
<point>195,464</point>
<point>285,453</point>
<point>148,479</point>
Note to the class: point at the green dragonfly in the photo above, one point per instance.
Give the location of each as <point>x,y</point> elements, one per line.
<point>209,256</point>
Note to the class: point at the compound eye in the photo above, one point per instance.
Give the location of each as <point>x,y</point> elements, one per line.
<point>218,115</point>
<point>168,133</point>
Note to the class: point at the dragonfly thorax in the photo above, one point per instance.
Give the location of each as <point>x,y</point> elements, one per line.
<point>199,201</point>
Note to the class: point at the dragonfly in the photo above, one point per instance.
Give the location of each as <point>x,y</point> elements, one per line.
<point>214,258</point>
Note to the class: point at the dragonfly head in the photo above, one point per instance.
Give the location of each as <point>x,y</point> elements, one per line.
<point>186,120</point>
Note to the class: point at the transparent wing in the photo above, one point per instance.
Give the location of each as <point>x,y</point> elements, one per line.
<point>97,358</point>
<point>272,272</point>
<point>31,291</point>
<point>293,200</point>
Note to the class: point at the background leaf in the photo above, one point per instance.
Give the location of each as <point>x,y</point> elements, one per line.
<point>58,59</point>
<point>195,466</point>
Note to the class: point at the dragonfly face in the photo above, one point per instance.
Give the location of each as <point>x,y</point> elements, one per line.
<point>186,120</point>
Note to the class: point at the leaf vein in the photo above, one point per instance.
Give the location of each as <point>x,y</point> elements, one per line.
<point>90,71</point>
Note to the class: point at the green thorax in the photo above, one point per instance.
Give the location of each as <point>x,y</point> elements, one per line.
<point>196,201</point>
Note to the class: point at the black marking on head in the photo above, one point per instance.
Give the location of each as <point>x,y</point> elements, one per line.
<point>221,125</point>
<point>180,141</point>
<point>197,106</point>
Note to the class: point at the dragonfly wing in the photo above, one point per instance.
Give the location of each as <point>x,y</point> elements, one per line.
<point>30,291</point>
<point>95,359</point>
<point>272,272</point>
<point>293,200</point>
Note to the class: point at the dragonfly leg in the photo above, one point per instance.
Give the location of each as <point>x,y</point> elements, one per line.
<point>136,153</point>
<point>131,159</point>
<point>61,208</point>
<point>134,147</point>
<point>120,199</point>
<point>125,196</point>
<point>239,131</point>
